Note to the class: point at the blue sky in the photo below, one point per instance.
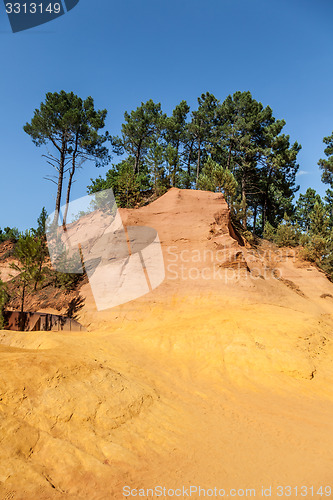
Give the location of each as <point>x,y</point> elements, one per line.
<point>122,52</point>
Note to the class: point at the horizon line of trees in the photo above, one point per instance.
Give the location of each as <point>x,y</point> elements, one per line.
<point>236,147</point>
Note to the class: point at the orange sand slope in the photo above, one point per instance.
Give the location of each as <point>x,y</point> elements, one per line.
<point>220,377</point>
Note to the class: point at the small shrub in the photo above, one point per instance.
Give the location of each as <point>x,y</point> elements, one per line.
<point>9,234</point>
<point>269,232</point>
<point>285,235</point>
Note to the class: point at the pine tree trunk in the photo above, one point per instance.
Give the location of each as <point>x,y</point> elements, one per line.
<point>244,208</point>
<point>189,166</point>
<point>21,316</point>
<point>264,214</point>
<point>68,194</point>
<point>265,207</point>
<point>229,159</point>
<point>198,162</point>
<point>137,159</point>
<point>60,180</point>
<point>71,175</point>
<point>175,166</point>
<point>41,262</point>
<point>254,220</point>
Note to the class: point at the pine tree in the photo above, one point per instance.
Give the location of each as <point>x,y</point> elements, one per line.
<point>319,222</point>
<point>329,206</point>
<point>175,138</point>
<point>304,207</point>
<point>240,135</point>
<point>215,177</point>
<point>27,251</point>
<point>242,124</point>
<point>41,223</point>
<point>201,127</point>
<point>128,187</point>
<point>155,161</point>
<point>40,234</point>
<point>326,165</point>
<point>286,234</point>
<point>9,234</point>
<point>71,126</point>
<point>252,147</point>
<point>317,242</point>
<point>277,176</point>
<point>140,128</point>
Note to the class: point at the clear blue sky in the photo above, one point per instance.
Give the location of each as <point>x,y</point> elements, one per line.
<point>123,52</point>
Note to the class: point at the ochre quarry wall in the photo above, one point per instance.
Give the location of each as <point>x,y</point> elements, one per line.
<point>221,377</point>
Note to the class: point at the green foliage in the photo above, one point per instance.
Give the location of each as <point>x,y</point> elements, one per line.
<point>66,281</point>
<point>269,232</point>
<point>176,136</point>
<point>258,164</point>
<point>71,126</point>
<point>9,234</point>
<point>215,177</point>
<point>4,297</point>
<point>254,151</point>
<point>70,279</point>
<point>318,242</point>
<point>201,129</point>
<point>64,119</point>
<point>40,237</point>
<point>319,221</point>
<point>28,252</point>
<point>68,261</point>
<point>205,182</point>
<point>138,131</point>
<point>285,235</point>
<point>326,165</point>
<point>304,206</point>
<point>41,224</point>
<point>329,206</point>
<point>315,248</point>
<point>155,161</point>
<point>127,186</point>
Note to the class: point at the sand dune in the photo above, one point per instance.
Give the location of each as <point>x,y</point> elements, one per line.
<point>220,377</point>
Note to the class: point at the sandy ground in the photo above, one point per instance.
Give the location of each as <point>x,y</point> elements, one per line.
<point>221,382</point>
